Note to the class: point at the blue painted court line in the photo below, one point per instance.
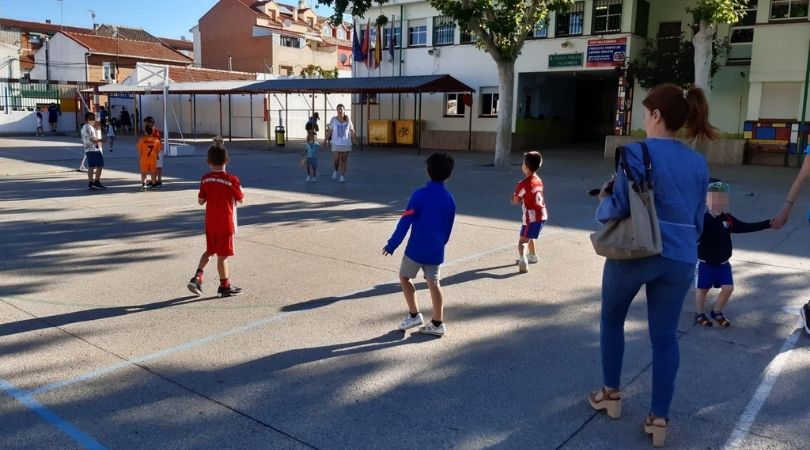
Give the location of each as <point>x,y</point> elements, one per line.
<point>165,352</point>
<point>27,400</point>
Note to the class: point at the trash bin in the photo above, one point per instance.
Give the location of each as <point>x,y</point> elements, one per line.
<point>280,136</point>
<point>381,132</point>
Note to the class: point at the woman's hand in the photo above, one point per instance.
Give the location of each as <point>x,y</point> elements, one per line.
<point>607,188</point>
<point>781,218</point>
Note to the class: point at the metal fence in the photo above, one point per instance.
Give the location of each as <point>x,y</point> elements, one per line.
<point>28,95</point>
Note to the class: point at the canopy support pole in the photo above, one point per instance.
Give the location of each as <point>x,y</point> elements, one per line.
<point>469,128</point>
<point>219,98</point>
<point>194,115</point>
<point>362,107</point>
<point>418,127</point>
<point>251,116</point>
<point>230,134</point>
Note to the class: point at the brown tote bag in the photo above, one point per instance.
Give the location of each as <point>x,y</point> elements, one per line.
<point>638,235</point>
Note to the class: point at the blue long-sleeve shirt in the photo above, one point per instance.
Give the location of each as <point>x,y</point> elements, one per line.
<point>430,215</point>
<point>680,177</point>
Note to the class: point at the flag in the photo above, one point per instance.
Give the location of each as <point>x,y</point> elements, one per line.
<point>391,44</point>
<point>378,48</point>
<point>365,45</point>
<point>357,51</point>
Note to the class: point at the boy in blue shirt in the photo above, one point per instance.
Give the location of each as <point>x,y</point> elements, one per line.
<point>430,215</point>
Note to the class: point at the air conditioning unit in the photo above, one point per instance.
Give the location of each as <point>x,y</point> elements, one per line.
<point>34,38</point>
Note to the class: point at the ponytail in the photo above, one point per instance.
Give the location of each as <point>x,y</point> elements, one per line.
<point>697,122</point>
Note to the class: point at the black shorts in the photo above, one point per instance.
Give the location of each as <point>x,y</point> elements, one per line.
<point>94,159</point>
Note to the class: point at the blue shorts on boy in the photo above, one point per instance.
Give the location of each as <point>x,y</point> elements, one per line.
<point>713,275</point>
<point>532,230</point>
<point>95,159</point>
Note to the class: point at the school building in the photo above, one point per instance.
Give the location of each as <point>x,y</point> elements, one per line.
<point>570,82</point>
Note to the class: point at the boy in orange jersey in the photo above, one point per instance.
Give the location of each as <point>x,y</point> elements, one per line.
<point>219,192</point>
<point>148,149</point>
<point>150,121</point>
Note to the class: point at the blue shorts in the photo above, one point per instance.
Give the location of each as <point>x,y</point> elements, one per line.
<point>712,275</point>
<point>94,159</point>
<point>312,162</point>
<point>532,230</point>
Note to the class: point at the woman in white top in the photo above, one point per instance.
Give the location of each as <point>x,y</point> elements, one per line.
<point>340,133</point>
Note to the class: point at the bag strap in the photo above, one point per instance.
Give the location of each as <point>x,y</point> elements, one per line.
<point>621,162</point>
<point>645,156</point>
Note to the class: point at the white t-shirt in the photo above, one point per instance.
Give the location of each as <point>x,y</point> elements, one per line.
<point>89,132</point>
<point>341,132</point>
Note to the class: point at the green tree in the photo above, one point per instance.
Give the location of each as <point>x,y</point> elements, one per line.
<point>501,27</point>
<point>705,16</point>
<point>313,71</point>
<point>662,62</point>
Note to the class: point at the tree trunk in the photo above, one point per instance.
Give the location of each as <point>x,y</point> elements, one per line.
<point>702,41</point>
<point>503,133</point>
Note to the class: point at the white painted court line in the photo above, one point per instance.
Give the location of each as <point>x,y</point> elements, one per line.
<point>165,352</point>
<point>763,391</point>
<point>240,329</point>
<point>27,400</point>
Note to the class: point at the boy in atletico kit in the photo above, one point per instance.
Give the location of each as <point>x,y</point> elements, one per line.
<point>219,192</point>
<point>529,194</point>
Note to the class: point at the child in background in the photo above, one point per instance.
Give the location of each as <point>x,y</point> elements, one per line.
<point>219,192</point>
<point>714,251</point>
<point>40,131</point>
<point>148,150</point>
<point>111,136</point>
<point>149,120</point>
<point>430,215</point>
<point>311,153</point>
<point>529,194</point>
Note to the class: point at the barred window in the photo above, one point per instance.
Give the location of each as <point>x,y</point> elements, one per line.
<point>540,30</point>
<point>607,16</point>
<point>669,36</point>
<point>397,37</point>
<point>570,20</point>
<point>444,30</point>
<point>467,37</point>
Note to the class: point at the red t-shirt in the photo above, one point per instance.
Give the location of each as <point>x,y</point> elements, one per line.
<point>530,190</point>
<point>221,191</point>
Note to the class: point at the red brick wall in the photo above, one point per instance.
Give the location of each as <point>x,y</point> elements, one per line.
<point>227,30</point>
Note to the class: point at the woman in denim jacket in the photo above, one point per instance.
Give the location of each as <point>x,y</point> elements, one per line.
<point>680,177</point>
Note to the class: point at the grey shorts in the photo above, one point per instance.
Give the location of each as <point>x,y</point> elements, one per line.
<point>410,268</point>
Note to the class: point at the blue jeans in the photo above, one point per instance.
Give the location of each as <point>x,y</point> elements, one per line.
<point>667,282</point>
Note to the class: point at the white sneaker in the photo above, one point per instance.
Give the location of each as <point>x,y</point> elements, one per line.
<point>342,179</point>
<point>433,329</point>
<point>411,322</point>
<point>335,175</point>
<point>309,178</point>
<point>532,258</point>
<point>523,265</point>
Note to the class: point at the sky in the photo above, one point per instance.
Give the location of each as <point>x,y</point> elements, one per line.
<point>164,18</point>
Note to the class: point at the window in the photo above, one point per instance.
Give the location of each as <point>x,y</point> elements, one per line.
<point>540,30</point>
<point>743,31</point>
<point>341,33</point>
<point>417,33</point>
<point>467,37</point>
<point>326,31</point>
<point>397,37</point>
<point>444,30</point>
<point>285,70</point>
<point>108,71</point>
<point>607,16</point>
<point>788,9</point>
<point>489,101</point>
<point>669,36</point>
<point>454,105</point>
<point>288,41</point>
<point>569,21</point>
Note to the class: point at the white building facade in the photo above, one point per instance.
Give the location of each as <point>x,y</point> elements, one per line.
<point>570,80</point>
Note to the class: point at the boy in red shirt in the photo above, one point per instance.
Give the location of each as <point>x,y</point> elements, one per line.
<point>529,194</point>
<point>219,192</point>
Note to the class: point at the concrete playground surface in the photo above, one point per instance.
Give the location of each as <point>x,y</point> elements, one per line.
<point>102,346</point>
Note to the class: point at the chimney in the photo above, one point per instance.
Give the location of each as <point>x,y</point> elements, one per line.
<point>295,15</point>
<point>48,21</point>
<point>302,4</point>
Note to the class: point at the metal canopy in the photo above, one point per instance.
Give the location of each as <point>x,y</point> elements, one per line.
<point>370,85</point>
<point>192,87</point>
